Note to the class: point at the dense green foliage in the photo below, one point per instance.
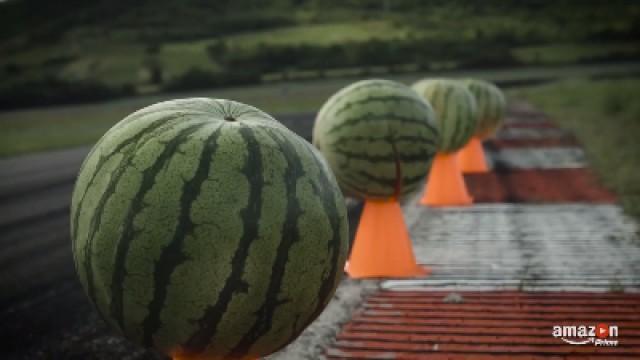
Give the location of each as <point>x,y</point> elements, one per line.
<point>152,46</point>
<point>205,227</point>
<point>54,91</point>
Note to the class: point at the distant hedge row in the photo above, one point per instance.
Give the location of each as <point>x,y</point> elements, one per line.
<point>276,58</point>
<point>197,78</point>
<point>219,26</point>
<point>52,91</point>
<point>250,66</point>
<point>278,62</point>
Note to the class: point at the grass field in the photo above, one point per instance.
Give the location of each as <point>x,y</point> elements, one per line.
<point>58,127</point>
<point>321,34</point>
<point>605,116</point>
<point>570,53</point>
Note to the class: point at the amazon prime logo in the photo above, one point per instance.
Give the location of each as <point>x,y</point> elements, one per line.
<point>598,335</point>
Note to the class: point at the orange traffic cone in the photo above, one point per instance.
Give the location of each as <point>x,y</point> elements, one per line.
<point>471,158</point>
<point>382,247</point>
<point>445,186</point>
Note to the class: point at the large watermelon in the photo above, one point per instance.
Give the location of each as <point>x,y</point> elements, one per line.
<point>206,228</point>
<point>491,106</point>
<point>455,109</point>
<point>379,138</point>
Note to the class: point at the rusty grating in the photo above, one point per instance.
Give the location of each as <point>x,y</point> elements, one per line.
<point>538,186</point>
<point>499,144</point>
<point>487,325</point>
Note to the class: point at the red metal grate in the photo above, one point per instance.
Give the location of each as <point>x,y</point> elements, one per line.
<point>486,325</point>
<point>529,125</point>
<point>499,144</point>
<point>537,186</point>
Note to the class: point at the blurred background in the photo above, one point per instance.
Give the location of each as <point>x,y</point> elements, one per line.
<point>289,56</point>
<point>70,69</point>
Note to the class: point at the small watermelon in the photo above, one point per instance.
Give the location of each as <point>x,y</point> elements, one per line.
<point>378,136</point>
<point>491,106</point>
<point>205,228</point>
<point>455,109</point>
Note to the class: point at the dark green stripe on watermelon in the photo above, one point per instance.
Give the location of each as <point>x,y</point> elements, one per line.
<point>96,219</point>
<point>371,99</point>
<point>389,181</point>
<point>345,140</point>
<point>330,206</point>
<point>208,323</point>
<point>407,158</point>
<point>76,210</point>
<point>172,255</point>
<point>290,236</point>
<point>129,232</point>
<point>470,126</point>
<point>377,117</point>
<point>441,107</point>
<point>351,187</point>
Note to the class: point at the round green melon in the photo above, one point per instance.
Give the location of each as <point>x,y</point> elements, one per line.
<point>491,106</point>
<point>455,109</point>
<point>378,137</point>
<point>206,228</point>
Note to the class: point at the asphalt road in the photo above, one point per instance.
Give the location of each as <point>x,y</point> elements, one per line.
<point>43,311</point>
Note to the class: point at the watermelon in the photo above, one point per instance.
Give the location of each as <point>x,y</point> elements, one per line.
<point>205,228</point>
<point>491,106</point>
<point>378,137</point>
<point>455,109</point>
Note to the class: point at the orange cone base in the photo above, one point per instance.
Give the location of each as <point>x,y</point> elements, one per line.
<point>382,247</point>
<point>471,158</point>
<point>445,186</point>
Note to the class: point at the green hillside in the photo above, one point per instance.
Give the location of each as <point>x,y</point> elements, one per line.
<point>78,51</point>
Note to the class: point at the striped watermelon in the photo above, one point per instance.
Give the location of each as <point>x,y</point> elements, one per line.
<point>491,106</point>
<point>455,109</point>
<point>205,227</point>
<point>379,138</point>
